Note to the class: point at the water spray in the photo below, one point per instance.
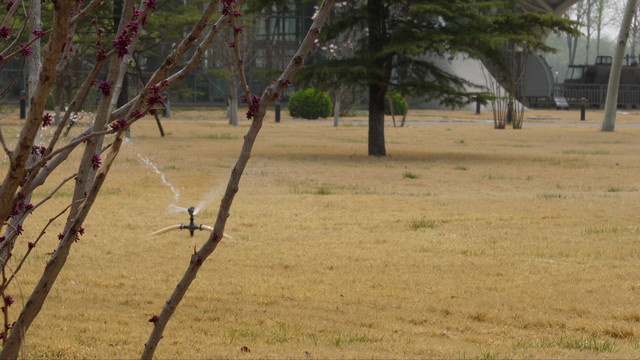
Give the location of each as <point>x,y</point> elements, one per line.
<point>192,227</point>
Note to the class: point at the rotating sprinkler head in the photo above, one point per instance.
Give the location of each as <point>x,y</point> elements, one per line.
<point>192,227</point>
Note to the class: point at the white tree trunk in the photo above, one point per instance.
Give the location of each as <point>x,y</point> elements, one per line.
<point>233,103</point>
<point>336,108</point>
<point>611,103</point>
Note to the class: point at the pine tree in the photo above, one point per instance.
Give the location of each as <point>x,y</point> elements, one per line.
<point>398,39</point>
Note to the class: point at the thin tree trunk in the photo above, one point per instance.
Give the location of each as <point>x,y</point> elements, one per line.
<point>233,103</point>
<point>336,107</point>
<point>404,116</point>
<point>393,111</point>
<point>589,27</point>
<point>611,103</point>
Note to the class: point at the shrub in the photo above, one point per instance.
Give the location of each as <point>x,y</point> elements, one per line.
<point>399,104</point>
<point>310,104</point>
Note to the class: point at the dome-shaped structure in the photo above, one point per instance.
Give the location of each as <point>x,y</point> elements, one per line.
<point>555,7</point>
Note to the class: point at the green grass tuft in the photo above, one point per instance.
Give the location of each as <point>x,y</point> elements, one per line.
<point>422,224</point>
<point>323,190</point>
<point>222,136</point>
<point>409,175</point>
<point>550,196</point>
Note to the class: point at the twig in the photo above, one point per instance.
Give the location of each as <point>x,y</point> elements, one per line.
<point>85,11</point>
<point>33,245</point>
<point>4,144</point>
<point>48,197</point>
<point>15,53</point>
<point>70,145</point>
<point>5,309</point>
<point>240,65</point>
<point>10,12</point>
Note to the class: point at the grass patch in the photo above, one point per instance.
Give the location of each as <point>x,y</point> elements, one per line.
<point>461,168</point>
<point>62,194</point>
<point>488,355</point>
<point>409,175</point>
<point>584,152</point>
<point>569,163</point>
<point>111,191</point>
<point>284,333</point>
<point>352,141</point>
<point>549,196</point>
<point>422,224</point>
<point>595,230</point>
<point>222,136</point>
<point>613,189</point>
<point>323,190</point>
<point>577,342</point>
<point>342,339</point>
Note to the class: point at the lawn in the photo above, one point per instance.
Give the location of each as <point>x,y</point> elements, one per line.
<point>464,242</point>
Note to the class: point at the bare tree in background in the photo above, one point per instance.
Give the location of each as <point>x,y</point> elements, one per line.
<point>576,13</point>
<point>228,64</point>
<point>31,164</point>
<point>600,20</point>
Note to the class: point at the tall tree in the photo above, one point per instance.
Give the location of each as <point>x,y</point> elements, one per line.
<point>589,5</point>
<point>576,13</point>
<point>611,104</point>
<point>398,41</point>
<point>600,20</point>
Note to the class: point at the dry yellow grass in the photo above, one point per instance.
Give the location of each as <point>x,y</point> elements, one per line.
<point>464,242</point>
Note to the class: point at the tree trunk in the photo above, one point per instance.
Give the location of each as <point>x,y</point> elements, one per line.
<point>376,21</point>
<point>376,121</point>
<point>404,116</point>
<point>233,102</point>
<point>589,27</point>
<point>57,101</point>
<point>611,103</point>
<point>634,36</point>
<point>336,107</point>
<point>393,111</point>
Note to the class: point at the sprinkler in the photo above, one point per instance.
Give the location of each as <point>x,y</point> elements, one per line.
<point>192,227</point>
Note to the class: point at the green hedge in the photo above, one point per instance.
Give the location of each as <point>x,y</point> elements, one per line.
<point>399,104</point>
<point>310,104</point>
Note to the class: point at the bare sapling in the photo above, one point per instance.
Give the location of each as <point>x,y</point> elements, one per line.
<point>257,109</point>
<point>31,163</point>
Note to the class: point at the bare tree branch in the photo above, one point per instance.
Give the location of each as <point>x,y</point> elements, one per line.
<point>32,245</point>
<point>22,48</point>
<point>34,120</point>
<point>10,12</point>
<point>240,65</point>
<point>4,144</point>
<point>85,11</point>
